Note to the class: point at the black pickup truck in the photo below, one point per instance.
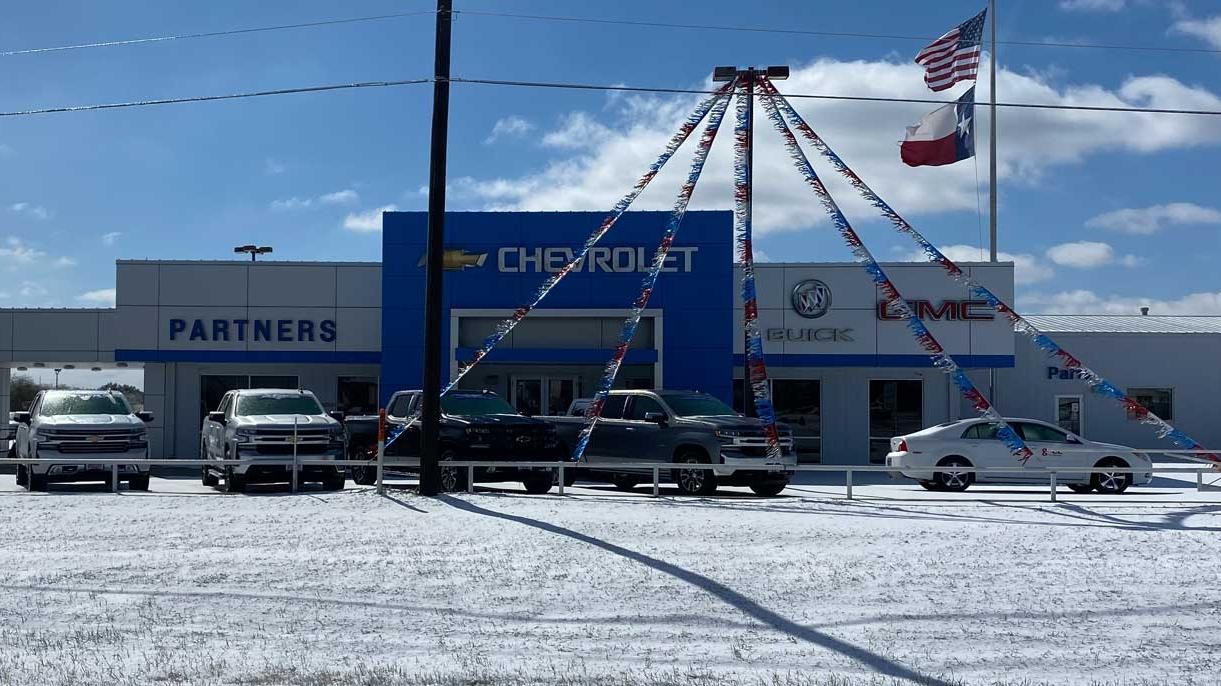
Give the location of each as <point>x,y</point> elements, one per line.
<point>475,425</point>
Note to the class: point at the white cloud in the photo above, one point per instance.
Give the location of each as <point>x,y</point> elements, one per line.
<point>599,157</point>
<point>1207,30</point>
<point>1092,5</point>
<point>27,210</point>
<point>1027,269</point>
<point>63,262</point>
<point>368,221</point>
<point>273,167</point>
<point>1132,261</point>
<point>103,297</point>
<point>344,197</point>
<point>510,126</point>
<point>15,250</point>
<point>1081,254</point>
<point>1089,302</point>
<point>31,289</point>
<point>111,238</point>
<point>1148,220</point>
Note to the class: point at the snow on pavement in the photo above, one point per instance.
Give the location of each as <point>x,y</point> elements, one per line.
<point>192,587</point>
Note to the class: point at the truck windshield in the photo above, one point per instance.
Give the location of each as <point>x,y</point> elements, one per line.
<point>277,404</point>
<point>698,405</point>
<point>467,405</point>
<point>57,404</point>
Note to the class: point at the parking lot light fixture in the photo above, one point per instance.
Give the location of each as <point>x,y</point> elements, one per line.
<point>253,250</point>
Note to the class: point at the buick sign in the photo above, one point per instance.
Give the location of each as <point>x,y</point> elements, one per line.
<point>811,298</point>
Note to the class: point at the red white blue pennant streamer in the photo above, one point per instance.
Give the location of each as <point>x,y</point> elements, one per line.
<point>630,324</point>
<point>1096,382</point>
<point>755,367</point>
<point>894,299</point>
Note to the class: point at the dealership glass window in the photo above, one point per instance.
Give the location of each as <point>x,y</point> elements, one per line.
<point>528,395</point>
<point>1160,401</point>
<point>896,407</point>
<point>357,395</point>
<point>798,404</point>
<point>561,391</point>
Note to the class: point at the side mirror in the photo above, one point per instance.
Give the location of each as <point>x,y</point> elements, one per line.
<point>145,416</point>
<point>337,416</point>
<point>218,417</point>
<point>20,417</point>
<point>655,417</point>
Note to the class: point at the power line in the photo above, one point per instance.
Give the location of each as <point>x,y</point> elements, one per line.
<point>211,98</point>
<point>213,34</point>
<point>822,34</point>
<point>850,98</point>
<point>576,86</point>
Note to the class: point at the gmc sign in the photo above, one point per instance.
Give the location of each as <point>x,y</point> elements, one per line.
<point>946,310</point>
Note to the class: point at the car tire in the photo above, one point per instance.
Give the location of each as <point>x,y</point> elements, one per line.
<point>929,485</point>
<point>539,483</point>
<point>138,483</point>
<point>1111,483</point>
<point>206,477</point>
<point>21,475</point>
<point>769,489</point>
<point>335,482</point>
<point>36,482</point>
<point>1080,488</point>
<point>451,479</point>
<point>624,482</point>
<point>364,474</point>
<point>953,481</point>
<point>694,481</point>
<point>234,483</point>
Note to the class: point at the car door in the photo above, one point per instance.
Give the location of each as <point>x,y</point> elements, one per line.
<point>606,444</point>
<point>985,450</point>
<point>403,406</point>
<point>213,432</point>
<point>1053,449</point>
<point>643,440</point>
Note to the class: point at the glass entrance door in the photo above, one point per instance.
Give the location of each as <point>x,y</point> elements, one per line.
<point>527,395</point>
<point>896,407</point>
<point>561,391</point>
<point>1068,414</point>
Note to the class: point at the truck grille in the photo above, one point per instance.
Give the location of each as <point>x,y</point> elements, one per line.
<point>280,442</point>
<point>92,440</point>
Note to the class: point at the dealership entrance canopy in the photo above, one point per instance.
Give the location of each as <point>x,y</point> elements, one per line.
<point>845,374</point>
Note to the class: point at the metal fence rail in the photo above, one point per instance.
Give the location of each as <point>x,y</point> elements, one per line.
<point>562,467</point>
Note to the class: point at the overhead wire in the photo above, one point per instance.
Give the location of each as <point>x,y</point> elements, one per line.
<point>821,34</point>
<point>214,34</point>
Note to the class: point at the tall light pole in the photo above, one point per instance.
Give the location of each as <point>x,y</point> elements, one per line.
<point>430,414</point>
<point>748,77</point>
<point>57,370</point>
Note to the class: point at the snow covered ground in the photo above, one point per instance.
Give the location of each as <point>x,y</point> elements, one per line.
<point>186,586</point>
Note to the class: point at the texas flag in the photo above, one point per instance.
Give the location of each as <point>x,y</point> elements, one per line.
<point>944,136</point>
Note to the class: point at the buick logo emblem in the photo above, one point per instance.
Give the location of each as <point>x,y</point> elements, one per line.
<point>811,298</point>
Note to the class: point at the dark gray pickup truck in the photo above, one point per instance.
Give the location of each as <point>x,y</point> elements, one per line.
<point>640,426</point>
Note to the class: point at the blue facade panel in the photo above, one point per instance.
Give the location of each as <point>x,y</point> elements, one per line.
<point>498,260</point>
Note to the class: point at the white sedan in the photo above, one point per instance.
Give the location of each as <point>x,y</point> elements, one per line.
<point>936,456</point>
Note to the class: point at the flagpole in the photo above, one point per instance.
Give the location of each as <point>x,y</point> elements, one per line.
<point>992,141</point>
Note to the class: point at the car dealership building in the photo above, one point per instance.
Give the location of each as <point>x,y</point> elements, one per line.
<point>846,372</point>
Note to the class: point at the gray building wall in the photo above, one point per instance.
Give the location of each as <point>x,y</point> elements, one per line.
<point>1186,363</point>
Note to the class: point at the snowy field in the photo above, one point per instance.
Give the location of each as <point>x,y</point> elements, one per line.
<point>997,586</point>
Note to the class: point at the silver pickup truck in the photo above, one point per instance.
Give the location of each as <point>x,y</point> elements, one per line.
<point>640,426</point>
<point>271,425</point>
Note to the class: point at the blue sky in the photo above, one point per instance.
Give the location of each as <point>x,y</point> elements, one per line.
<point>1101,212</point>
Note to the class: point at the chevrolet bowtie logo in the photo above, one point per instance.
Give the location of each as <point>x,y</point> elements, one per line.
<point>457,259</point>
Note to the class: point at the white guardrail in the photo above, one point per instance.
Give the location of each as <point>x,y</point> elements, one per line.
<point>561,467</point>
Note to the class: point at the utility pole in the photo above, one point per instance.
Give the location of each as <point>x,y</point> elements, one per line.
<point>748,77</point>
<point>992,140</point>
<point>430,472</point>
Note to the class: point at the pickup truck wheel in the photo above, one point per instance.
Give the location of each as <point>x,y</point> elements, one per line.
<point>206,477</point>
<point>138,483</point>
<point>694,481</point>
<point>453,479</point>
<point>624,482</point>
<point>21,475</point>
<point>36,482</point>
<point>769,489</point>
<point>364,474</point>
<point>334,482</point>
<point>234,483</point>
<point>538,483</point>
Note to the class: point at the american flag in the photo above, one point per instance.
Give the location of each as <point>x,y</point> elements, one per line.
<point>955,56</point>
